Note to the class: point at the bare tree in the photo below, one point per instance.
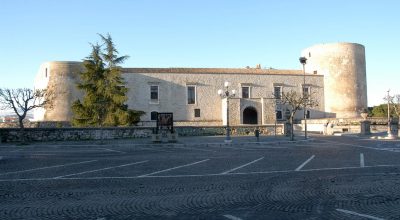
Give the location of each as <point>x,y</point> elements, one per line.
<point>294,102</point>
<point>22,100</point>
<point>396,107</point>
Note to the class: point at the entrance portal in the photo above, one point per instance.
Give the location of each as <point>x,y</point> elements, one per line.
<point>250,116</point>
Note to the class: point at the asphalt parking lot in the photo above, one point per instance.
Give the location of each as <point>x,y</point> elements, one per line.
<point>326,178</point>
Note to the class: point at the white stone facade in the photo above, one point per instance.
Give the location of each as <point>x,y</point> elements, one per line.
<point>173,83</point>
<point>171,86</point>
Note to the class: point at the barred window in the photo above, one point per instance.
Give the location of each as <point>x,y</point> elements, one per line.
<point>153,116</point>
<point>154,93</point>
<point>191,95</point>
<point>196,113</point>
<point>245,92</point>
<point>278,92</point>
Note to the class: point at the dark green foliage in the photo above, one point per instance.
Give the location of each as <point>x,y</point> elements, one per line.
<point>105,93</point>
<point>381,111</point>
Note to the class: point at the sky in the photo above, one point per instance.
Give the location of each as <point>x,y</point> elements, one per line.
<point>194,33</point>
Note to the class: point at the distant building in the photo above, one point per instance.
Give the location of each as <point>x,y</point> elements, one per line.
<point>9,119</point>
<point>335,75</point>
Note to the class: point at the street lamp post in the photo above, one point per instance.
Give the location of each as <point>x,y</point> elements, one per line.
<point>276,112</point>
<point>388,110</point>
<point>226,94</point>
<point>303,61</point>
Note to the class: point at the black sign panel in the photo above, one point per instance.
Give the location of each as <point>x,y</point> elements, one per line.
<point>165,121</point>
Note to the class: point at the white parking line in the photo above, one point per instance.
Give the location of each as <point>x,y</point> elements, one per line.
<point>107,168</point>
<point>362,164</point>
<point>206,175</point>
<point>305,162</point>
<point>150,149</point>
<point>193,148</point>
<point>42,168</point>
<point>372,148</point>
<point>113,150</point>
<point>250,148</point>
<point>231,217</point>
<point>173,168</point>
<point>358,214</point>
<point>242,166</point>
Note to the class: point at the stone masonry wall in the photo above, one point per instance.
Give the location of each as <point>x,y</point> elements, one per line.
<point>76,134</point>
<point>173,93</point>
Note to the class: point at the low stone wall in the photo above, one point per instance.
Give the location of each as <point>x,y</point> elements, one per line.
<point>332,125</point>
<point>73,134</point>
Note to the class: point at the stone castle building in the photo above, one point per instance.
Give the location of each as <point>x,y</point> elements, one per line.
<point>335,74</point>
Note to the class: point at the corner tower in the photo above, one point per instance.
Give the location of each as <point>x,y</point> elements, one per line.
<point>61,77</point>
<point>345,83</point>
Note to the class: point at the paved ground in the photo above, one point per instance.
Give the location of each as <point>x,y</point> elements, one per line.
<point>327,178</point>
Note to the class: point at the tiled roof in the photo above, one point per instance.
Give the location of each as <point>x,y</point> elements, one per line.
<point>211,70</point>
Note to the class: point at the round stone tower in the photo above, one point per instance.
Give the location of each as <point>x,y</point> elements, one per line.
<point>345,82</point>
<point>61,77</point>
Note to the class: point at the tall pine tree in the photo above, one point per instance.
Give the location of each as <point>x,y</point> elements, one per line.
<point>104,90</point>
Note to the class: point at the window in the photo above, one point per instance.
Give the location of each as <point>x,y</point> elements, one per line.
<point>191,94</point>
<point>306,91</point>
<point>153,116</point>
<point>245,92</point>
<point>279,115</point>
<point>45,73</point>
<point>278,92</point>
<point>197,113</point>
<point>154,93</point>
<point>308,114</point>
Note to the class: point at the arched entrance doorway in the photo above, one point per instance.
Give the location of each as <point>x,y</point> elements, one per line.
<point>250,116</point>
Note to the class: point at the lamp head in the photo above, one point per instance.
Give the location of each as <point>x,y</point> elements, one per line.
<point>227,84</point>
<point>303,60</point>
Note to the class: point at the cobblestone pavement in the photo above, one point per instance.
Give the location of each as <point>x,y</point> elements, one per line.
<point>327,178</point>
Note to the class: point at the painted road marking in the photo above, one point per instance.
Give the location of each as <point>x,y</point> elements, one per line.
<point>358,214</point>
<point>362,163</point>
<point>355,145</point>
<point>107,168</point>
<point>205,175</point>
<point>231,217</point>
<point>42,168</point>
<point>194,148</point>
<point>173,168</point>
<point>242,166</point>
<point>113,150</point>
<point>305,162</point>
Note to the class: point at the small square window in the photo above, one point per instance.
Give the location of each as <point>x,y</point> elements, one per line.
<point>279,115</point>
<point>197,113</point>
<point>153,116</point>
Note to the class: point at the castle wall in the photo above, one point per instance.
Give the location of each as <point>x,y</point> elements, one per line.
<point>344,68</point>
<point>335,72</point>
<point>173,91</point>
<point>62,77</point>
